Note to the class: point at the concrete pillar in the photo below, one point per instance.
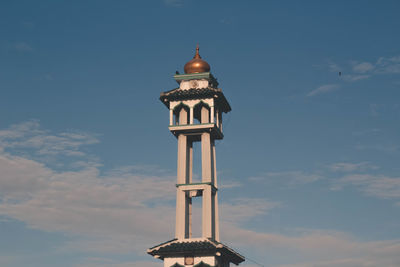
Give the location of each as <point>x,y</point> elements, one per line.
<point>188,226</point>
<point>180,214</point>
<point>182,201</point>
<point>206,166</point>
<point>212,213</point>
<point>188,215</point>
<point>207,213</point>
<point>190,150</point>
<point>191,115</point>
<point>212,115</point>
<point>182,159</point>
<point>171,117</point>
<point>216,216</point>
<point>215,197</point>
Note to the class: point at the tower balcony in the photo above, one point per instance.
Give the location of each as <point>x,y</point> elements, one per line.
<point>195,130</point>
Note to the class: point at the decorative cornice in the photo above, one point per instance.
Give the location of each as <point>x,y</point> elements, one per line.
<point>196,93</point>
<point>191,76</point>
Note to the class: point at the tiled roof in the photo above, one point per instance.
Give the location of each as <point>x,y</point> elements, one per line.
<point>205,247</point>
<point>187,247</point>
<point>195,93</point>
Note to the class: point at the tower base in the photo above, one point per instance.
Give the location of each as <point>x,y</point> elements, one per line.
<point>195,252</point>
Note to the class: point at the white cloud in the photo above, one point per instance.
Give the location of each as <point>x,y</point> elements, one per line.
<point>320,248</point>
<point>349,262</point>
<point>119,211</point>
<point>363,67</point>
<point>230,184</point>
<point>333,67</point>
<point>22,47</point>
<point>323,89</point>
<point>243,209</point>
<point>373,131</point>
<point>351,167</point>
<point>379,147</point>
<point>354,77</point>
<point>28,24</point>
<point>388,65</point>
<point>28,135</point>
<point>374,185</point>
<point>129,209</point>
<point>84,202</point>
<point>293,177</point>
<point>105,262</point>
<point>355,71</point>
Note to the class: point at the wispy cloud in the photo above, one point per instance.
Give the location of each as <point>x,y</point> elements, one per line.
<point>23,47</point>
<point>363,67</point>
<point>113,211</point>
<point>121,211</point>
<point>354,77</point>
<point>380,186</point>
<point>351,167</point>
<point>333,67</point>
<point>243,209</point>
<point>289,177</point>
<point>316,248</point>
<point>323,89</point>
<point>128,209</point>
<point>373,131</point>
<point>29,135</point>
<point>388,65</point>
<point>105,262</point>
<point>116,212</point>
<point>28,24</point>
<point>356,70</point>
<point>387,148</point>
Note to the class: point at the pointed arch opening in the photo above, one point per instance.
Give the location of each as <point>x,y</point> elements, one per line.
<point>181,114</point>
<point>202,112</point>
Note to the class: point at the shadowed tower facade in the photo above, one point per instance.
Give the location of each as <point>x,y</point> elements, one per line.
<point>195,115</point>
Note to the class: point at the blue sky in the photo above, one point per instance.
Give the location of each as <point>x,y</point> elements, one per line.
<point>309,167</point>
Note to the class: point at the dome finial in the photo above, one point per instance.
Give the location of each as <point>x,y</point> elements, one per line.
<point>196,65</point>
<point>197,55</point>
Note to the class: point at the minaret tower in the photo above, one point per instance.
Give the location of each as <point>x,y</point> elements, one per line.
<point>195,115</point>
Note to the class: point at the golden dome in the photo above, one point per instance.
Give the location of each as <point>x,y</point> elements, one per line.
<point>196,65</point>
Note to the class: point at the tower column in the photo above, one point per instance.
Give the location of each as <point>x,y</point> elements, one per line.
<point>183,201</point>
<point>207,224</point>
<point>191,115</point>
<point>215,196</point>
<point>206,162</point>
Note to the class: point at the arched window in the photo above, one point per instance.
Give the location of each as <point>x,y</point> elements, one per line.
<point>181,113</point>
<point>202,112</point>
